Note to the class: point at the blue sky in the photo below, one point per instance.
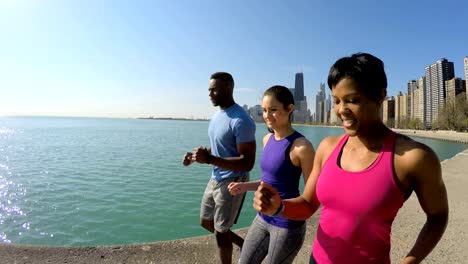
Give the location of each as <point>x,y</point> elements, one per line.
<point>139,58</point>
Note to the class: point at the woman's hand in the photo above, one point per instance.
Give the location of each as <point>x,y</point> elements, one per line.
<point>266,199</point>
<point>236,188</point>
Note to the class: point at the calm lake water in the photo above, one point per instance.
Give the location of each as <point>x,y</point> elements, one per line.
<point>98,181</point>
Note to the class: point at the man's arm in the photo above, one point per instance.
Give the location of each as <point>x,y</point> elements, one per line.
<point>244,162</point>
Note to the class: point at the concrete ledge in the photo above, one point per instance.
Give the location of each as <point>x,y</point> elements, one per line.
<point>197,250</point>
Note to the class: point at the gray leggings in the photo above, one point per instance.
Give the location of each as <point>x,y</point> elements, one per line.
<point>281,244</point>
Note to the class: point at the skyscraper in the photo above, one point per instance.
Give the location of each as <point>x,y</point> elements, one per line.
<point>412,85</point>
<point>454,87</point>
<point>436,75</point>
<point>326,113</point>
<point>319,99</point>
<point>401,104</point>
<point>466,76</point>
<point>388,112</point>
<point>299,87</point>
<point>301,113</point>
<point>421,105</point>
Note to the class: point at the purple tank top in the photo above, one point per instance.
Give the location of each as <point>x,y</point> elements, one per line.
<point>279,172</point>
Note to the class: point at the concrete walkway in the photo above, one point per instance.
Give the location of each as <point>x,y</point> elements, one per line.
<point>453,136</point>
<point>453,247</point>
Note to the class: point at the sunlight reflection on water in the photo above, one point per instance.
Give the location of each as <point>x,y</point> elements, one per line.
<point>96,181</point>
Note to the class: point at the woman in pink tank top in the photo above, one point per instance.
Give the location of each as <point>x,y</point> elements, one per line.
<point>362,178</point>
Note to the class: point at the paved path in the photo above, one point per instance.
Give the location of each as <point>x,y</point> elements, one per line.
<point>453,247</point>
<point>459,137</point>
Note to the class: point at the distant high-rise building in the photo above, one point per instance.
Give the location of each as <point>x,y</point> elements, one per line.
<point>388,112</point>
<point>326,110</point>
<point>414,97</point>
<point>466,76</point>
<point>420,104</point>
<point>319,99</point>
<point>454,87</point>
<point>301,112</point>
<point>299,87</point>
<point>411,86</point>
<point>436,75</point>
<point>401,103</point>
<point>333,118</point>
<point>321,117</point>
<point>256,112</point>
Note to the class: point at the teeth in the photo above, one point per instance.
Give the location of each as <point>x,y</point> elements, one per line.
<point>348,122</point>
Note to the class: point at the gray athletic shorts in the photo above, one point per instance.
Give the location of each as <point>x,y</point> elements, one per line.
<point>219,205</point>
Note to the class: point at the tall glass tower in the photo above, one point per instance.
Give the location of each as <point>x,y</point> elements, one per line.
<point>299,87</point>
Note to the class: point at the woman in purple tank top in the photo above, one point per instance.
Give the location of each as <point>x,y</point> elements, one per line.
<point>286,155</point>
<point>362,178</point>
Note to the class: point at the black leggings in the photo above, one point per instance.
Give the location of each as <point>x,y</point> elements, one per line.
<point>312,260</point>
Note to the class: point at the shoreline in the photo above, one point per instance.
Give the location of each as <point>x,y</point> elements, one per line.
<point>444,135</point>
<point>202,249</point>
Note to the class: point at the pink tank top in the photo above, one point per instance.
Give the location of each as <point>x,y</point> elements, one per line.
<point>358,209</point>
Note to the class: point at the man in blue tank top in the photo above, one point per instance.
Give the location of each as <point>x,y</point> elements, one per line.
<point>232,155</point>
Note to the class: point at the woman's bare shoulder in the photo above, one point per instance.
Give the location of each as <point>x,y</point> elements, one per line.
<point>412,155</point>
<point>330,141</point>
<point>327,145</point>
<point>408,147</point>
<point>266,138</point>
<point>302,142</point>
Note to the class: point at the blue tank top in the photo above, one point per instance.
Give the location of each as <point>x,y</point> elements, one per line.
<point>279,172</point>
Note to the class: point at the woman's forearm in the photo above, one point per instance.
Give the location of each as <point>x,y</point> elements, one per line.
<point>428,238</point>
<point>251,186</point>
<point>298,209</point>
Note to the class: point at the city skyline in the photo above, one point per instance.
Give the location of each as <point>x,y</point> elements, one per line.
<point>145,58</point>
<point>421,103</point>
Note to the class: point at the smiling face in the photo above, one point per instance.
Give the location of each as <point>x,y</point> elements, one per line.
<point>355,110</point>
<point>275,114</point>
